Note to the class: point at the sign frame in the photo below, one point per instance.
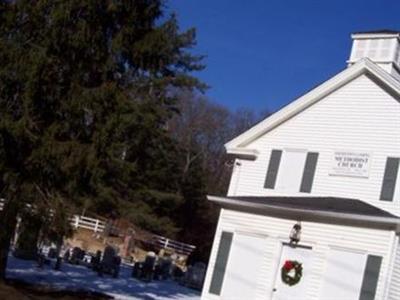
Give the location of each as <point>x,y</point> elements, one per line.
<point>348,163</point>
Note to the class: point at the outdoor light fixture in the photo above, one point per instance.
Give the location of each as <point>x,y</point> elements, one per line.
<point>295,234</point>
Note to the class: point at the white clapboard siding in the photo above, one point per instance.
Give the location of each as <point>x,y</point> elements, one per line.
<point>360,117</point>
<point>319,236</point>
<point>394,293</point>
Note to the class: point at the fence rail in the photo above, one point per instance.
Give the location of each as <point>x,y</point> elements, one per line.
<point>176,246</point>
<point>88,223</point>
<point>79,221</point>
<point>97,225</point>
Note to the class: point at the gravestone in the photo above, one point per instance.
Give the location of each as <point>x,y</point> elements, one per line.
<point>137,270</point>
<point>110,263</point>
<point>95,261</point>
<point>67,255</point>
<point>194,276</point>
<point>108,257</point>
<point>52,253</point>
<point>116,265</point>
<point>77,255</point>
<point>164,268</point>
<point>57,265</point>
<point>149,266</point>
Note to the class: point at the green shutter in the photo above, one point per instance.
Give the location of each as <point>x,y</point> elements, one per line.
<point>309,172</point>
<point>273,167</point>
<point>389,178</point>
<point>371,276</point>
<point>220,263</point>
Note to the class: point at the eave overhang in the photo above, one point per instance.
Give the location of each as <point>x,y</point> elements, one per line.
<point>387,222</point>
<point>243,153</point>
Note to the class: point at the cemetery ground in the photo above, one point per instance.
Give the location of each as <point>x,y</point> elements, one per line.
<point>27,281</point>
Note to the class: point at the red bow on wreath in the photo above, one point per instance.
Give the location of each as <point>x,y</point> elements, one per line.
<point>288,265</point>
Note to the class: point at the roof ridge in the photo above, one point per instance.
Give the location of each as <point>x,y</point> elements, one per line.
<point>379,31</point>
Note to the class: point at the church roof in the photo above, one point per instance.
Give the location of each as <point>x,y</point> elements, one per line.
<point>239,145</point>
<point>379,31</point>
<point>320,209</point>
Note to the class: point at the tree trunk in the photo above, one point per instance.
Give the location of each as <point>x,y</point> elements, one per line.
<point>3,261</point>
<point>7,228</point>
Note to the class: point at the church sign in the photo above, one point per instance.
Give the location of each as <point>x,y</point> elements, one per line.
<point>352,164</point>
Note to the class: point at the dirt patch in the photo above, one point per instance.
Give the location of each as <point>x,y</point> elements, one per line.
<point>19,290</point>
<point>89,241</point>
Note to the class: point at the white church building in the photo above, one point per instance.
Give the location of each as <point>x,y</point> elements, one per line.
<point>313,207</point>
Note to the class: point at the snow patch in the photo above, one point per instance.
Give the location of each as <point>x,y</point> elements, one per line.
<point>73,277</point>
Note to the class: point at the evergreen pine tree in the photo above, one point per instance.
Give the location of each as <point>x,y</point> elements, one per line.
<point>84,99</point>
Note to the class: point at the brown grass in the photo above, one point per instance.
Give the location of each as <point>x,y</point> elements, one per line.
<point>91,242</point>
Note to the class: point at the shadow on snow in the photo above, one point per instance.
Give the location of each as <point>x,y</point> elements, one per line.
<point>73,277</point>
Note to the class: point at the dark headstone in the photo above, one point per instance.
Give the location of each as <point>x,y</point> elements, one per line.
<point>116,265</point>
<point>67,255</point>
<point>52,253</point>
<point>137,270</point>
<point>77,255</point>
<point>110,263</point>
<point>57,266</point>
<point>149,266</point>
<point>95,262</point>
<point>164,268</point>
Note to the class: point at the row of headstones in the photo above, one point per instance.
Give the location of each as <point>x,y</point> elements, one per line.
<point>161,268</point>
<point>107,263</point>
<point>103,263</point>
<point>153,267</point>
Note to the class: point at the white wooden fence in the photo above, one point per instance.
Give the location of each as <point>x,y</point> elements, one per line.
<point>79,221</point>
<point>97,225</point>
<point>88,223</point>
<point>176,246</point>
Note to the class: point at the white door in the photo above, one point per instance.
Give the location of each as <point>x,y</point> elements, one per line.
<point>343,275</point>
<point>245,259</point>
<point>282,291</point>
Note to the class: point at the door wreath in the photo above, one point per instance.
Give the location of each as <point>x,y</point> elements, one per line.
<point>291,272</point>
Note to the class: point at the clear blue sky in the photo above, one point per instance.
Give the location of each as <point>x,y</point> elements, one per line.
<point>262,54</point>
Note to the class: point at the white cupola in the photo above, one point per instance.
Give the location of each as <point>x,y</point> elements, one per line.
<point>381,46</point>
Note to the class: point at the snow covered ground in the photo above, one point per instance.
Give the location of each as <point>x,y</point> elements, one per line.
<point>79,277</point>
